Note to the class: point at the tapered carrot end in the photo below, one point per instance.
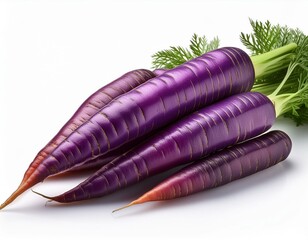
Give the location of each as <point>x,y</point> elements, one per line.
<point>44,196</point>
<point>126,206</point>
<point>22,188</point>
<point>7,202</point>
<point>143,199</point>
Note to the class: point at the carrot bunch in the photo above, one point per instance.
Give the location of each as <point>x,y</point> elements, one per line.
<point>146,122</point>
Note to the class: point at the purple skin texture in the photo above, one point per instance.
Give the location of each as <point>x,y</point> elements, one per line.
<point>100,161</point>
<point>154,104</point>
<point>223,167</point>
<point>90,106</point>
<point>199,134</point>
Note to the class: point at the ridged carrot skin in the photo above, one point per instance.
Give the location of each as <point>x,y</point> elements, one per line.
<point>102,160</point>
<point>212,128</point>
<point>89,107</point>
<point>223,167</point>
<point>154,104</point>
<point>99,161</point>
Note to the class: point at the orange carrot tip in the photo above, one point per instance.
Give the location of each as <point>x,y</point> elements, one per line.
<point>126,206</point>
<point>147,197</point>
<point>22,188</point>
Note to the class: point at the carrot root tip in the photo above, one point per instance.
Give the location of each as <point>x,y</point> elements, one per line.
<point>44,196</point>
<point>121,208</point>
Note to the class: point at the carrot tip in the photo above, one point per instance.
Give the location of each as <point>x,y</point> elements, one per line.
<point>144,198</point>
<point>42,195</point>
<point>121,208</point>
<point>3,205</point>
<point>22,188</point>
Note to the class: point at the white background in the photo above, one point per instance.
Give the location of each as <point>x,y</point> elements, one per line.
<point>53,54</point>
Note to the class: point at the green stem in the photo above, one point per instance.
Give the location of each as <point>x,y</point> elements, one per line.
<point>289,72</point>
<point>274,60</point>
<point>283,102</point>
<point>280,103</point>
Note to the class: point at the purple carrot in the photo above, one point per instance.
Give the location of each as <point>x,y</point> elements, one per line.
<point>89,107</point>
<point>223,167</point>
<point>212,128</point>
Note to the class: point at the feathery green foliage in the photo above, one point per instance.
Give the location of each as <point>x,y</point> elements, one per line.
<point>175,56</point>
<point>266,37</point>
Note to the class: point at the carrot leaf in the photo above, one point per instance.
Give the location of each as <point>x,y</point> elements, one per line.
<point>174,56</point>
<point>200,45</point>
